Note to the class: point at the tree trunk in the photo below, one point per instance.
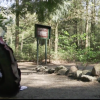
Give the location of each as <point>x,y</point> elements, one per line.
<point>56,40</point>
<point>75,32</point>
<point>81,39</point>
<point>22,42</point>
<point>49,46</point>
<point>93,24</point>
<point>87,27</point>
<point>76,22</point>
<point>81,30</point>
<point>17,27</point>
<point>11,37</point>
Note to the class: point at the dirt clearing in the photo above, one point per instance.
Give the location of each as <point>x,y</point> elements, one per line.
<point>52,86</point>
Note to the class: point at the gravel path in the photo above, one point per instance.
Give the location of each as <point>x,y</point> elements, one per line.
<point>51,86</point>
<point>57,87</point>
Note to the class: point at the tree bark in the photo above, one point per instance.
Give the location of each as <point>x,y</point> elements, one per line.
<point>49,46</point>
<point>75,32</point>
<point>93,23</point>
<point>56,40</point>
<point>22,42</point>
<point>87,27</point>
<point>17,27</point>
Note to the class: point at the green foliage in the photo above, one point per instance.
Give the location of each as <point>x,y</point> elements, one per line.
<point>71,30</point>
<point>88,56</point>
<point>1,19</point>
<point>67,49</point>
<point>27,54</point>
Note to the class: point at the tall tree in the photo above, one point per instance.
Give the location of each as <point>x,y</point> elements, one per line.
<point>93,22</point>
<point>57,17</point>
<point>17,27</point>
<point>87,24</point>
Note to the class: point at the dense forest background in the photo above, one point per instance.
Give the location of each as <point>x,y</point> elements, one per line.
<point>75,34</point>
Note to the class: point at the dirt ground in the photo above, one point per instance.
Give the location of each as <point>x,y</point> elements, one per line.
<point>52,86</point>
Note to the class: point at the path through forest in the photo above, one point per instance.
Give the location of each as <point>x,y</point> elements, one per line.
<point>51,86</point>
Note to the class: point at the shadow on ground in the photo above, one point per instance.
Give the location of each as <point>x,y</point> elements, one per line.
<point>66,92</point>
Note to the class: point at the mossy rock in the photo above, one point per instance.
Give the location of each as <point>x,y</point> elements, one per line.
<point>62,71</point>
<point>87,78</point>
<point>59,67</point>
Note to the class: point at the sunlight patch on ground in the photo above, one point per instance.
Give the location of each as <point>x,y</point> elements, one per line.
<point>51,81</point>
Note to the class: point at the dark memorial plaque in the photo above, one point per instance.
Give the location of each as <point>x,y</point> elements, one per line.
<point>42,31</point>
